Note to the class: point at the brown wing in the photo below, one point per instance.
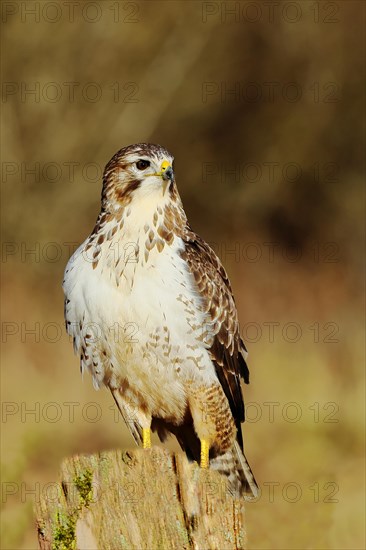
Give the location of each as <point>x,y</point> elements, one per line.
<point>227,350</point>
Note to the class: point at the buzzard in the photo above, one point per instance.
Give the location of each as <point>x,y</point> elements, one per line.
<point>152,315</point>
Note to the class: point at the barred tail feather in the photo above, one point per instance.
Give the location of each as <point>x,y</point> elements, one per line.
<point>235,467</point>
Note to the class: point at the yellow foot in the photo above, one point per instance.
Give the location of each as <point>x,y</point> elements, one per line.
<point>146,438</point>
<point>205,449</point>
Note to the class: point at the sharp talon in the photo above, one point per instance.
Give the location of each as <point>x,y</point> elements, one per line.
<point>205,449</point>
<point>146,438</point>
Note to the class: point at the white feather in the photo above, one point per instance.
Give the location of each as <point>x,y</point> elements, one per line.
<point>125,303</point>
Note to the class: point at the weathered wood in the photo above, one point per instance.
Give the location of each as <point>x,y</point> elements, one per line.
<point>139,500</point>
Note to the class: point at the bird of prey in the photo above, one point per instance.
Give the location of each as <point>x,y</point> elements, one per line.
<point>152,315</point>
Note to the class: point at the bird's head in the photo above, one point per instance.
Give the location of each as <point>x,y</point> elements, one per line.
<point>135,172</point>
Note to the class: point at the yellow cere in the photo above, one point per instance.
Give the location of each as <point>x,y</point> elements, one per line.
<point>164,165</point>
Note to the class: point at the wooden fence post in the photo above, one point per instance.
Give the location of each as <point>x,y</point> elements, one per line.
<point>140,499</point>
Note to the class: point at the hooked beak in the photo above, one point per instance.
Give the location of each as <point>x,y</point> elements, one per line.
<point>167,171</point>
<point>167,174</point>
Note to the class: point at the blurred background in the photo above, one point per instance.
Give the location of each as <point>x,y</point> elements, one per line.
<point>262,105</point>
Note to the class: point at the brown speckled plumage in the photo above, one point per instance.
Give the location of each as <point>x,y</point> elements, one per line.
<point>143,266</point>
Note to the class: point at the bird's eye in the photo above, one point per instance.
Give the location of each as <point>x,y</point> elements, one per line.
<point>142,164</point>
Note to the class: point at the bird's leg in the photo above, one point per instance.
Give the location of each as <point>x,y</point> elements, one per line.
<point>144,419</point>
<point>205,449</point>
<point>146,438</point>
<point>204,419</point>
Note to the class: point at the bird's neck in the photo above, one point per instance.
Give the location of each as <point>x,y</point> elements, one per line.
<point>146,225</point>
